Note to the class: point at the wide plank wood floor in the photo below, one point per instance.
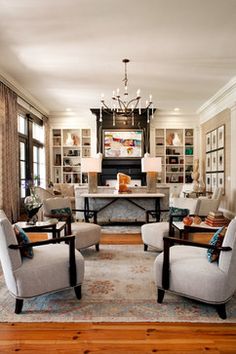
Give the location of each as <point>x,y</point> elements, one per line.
<point>113,338</point>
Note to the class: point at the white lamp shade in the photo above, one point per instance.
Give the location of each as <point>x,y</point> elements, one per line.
<point>91,164</point>
<point>151,164</point>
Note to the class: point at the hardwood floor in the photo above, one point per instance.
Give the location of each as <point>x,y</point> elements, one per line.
<point>113,338</point>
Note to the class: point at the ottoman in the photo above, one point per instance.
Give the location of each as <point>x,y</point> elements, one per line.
<point>86,234</point>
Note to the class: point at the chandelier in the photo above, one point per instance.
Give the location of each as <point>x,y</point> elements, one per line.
<point>124,106</point>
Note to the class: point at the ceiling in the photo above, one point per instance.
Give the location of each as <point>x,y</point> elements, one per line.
<point>67,52</point>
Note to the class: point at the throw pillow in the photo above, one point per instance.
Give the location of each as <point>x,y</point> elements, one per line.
<point>216,240</point>
<point>179,212</point>
<point>22,239</point>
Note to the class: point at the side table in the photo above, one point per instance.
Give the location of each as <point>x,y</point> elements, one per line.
<point>49,226</point>
<point>184,230</point>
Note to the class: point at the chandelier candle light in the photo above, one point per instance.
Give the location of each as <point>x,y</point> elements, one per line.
<point>125,107</point>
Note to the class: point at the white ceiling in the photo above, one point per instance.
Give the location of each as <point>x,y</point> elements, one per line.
<point>67,52</point>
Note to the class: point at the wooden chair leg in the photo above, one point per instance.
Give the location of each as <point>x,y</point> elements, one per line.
<point>18,306</point>
<point>97,247</point>
<point>221,310</point>
<point>145,247</point>
<point>78,291</point>
<point>160,295</point>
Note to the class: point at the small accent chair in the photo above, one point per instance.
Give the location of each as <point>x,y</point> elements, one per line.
<point>86,234</point>
<point>42,194</point>
<point>210,204</point>
<point>184,269</point>
<point>153,233</point>
<point>54,266</point>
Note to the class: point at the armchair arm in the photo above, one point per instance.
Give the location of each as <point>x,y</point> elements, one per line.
<point>70,239</point>
<point>170,241</point>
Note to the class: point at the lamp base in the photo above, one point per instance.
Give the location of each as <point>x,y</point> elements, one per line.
<point>151,182</point>
<point>92,182</point>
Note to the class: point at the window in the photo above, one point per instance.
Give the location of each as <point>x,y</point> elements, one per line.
<point>32,152</point>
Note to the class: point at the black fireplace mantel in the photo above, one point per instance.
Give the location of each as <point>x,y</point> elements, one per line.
<point>111,166</point>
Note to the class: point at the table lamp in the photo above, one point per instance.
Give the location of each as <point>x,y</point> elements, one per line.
<point>92,166</point>
<point>151,165</point>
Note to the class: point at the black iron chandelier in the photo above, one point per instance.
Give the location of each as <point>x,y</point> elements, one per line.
<point>126,107</point>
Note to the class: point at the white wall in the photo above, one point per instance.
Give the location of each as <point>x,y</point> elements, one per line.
<point>225,98</point>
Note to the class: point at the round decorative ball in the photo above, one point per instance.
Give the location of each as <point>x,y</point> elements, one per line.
<point>187,220</point>
<point>197,220</point>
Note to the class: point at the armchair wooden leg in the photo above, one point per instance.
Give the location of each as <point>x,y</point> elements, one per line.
<point>18,306</point>
<point>97,247</point>
<point>221,311</point>
<point>160,295</point>
<point>145,247</point>
<point>78,291</point>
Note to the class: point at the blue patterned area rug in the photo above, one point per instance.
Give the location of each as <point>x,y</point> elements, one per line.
<point>118,287</point>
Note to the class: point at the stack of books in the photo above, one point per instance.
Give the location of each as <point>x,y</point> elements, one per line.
<point>216,219</point>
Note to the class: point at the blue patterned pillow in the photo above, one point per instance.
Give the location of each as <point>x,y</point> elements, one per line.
<point>179,212</point>
<point>216,240</point>
<point>22,239</point>
<point>61,211</point>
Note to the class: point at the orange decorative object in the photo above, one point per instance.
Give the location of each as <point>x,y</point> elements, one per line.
<point>187,220</point>
<point>197,220</point>
<point>122,182</point>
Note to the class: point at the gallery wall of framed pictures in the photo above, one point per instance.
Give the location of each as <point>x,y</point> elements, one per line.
<point>215,152</point>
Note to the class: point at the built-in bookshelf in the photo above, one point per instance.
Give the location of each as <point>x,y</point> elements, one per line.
<point>176,149</point>
<point>68,146</point>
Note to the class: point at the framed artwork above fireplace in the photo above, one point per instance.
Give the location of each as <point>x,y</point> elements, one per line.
<point>126,143</point>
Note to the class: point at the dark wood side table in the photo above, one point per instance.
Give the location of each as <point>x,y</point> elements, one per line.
<point>49,226</point>
<point>185,230</point>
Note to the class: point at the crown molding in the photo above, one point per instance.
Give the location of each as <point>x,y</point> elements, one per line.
<point>224,98</point>
<point>22,93</point>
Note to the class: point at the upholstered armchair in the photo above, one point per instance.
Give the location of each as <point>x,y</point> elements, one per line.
<point>86,234</point>
<point>153,233</point>
<point>185,269</point>
<point>209,204</point>
<point>55,266</point>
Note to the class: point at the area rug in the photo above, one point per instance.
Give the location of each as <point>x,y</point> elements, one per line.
<point>118,287</point>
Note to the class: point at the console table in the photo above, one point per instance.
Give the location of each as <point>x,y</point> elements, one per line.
<point>135,199</point>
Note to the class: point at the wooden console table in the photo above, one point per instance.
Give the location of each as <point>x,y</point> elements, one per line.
<point>113,197</point>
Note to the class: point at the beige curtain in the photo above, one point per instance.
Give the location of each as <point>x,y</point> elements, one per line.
<point>9,154</point>
<point>47,148</point>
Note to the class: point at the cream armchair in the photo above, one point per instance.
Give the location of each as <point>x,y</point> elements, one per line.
<point>185,270</point>
<point>209,204</point>
<point>86,234</point>
<point>55,266</point>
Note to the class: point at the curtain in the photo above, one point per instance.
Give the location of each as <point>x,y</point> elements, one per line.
<point>9,154</point>
<point>47,148</point>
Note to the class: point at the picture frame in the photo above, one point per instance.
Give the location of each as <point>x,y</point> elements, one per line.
<point>208,162</point>
<point>214,181</point>
<point>173,160</point>
<point>208,142</point>
<point>221,136</point>
<point>220,180</point>
<point>220,160</point>
<point>208,182</point>
<point>214,139</point>
<point>214,161</point>
<point>126,143</point>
